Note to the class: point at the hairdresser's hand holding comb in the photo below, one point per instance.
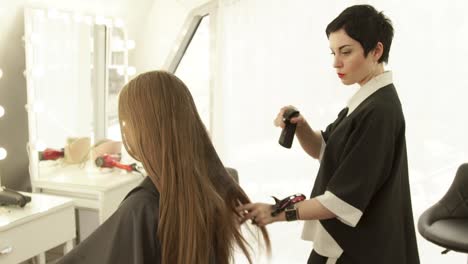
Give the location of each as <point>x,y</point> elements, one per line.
<point>259,214</point>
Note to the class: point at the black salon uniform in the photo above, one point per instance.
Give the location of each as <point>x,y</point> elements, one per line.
<point>128,236</point>
<point>363,179</point>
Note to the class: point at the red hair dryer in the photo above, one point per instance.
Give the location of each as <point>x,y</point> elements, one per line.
<point>51,154</point>
<point>111,161</point>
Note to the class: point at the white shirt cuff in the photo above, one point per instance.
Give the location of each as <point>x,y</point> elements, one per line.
<point>324,244</point>
<point>345,212</point>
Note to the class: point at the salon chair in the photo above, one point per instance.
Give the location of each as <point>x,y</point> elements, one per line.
<point>446,222</point>
<point>233,173</point>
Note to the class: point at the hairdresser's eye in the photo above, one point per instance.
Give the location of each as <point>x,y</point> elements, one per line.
<point>346,52</point>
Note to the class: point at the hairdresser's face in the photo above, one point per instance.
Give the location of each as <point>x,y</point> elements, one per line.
<point>348,59</point>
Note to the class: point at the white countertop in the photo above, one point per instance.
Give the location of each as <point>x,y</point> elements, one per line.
<point>40,205</point>
<point>83,177</point>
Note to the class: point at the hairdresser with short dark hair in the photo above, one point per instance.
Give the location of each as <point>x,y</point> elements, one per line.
<point>360,210</point>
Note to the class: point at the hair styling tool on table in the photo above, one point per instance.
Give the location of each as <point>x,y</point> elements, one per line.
<point>51,154</point>
<point>10,197</point>
<point>111,161</point>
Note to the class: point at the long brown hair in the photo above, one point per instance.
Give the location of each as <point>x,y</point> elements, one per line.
<point>161,128</point>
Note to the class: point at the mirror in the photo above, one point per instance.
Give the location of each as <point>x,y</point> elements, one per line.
<point>195,58</point>
<point>61,74</point>
<point>118,76</point>
<point>194,69</point>
<point>75,66</point>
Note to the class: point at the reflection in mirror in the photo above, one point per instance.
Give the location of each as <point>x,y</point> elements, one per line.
<point>194,69</point>
<point>75,67</point>
<point>60,55</point>
<point>117,77</point>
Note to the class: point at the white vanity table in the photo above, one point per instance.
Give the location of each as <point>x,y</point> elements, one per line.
<point>44,223</point>
<point>100,190</point>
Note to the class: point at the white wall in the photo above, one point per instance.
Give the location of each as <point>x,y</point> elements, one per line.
<point>158,30</point>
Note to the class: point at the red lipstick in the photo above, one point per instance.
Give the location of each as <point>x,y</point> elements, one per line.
<point>341,75</point>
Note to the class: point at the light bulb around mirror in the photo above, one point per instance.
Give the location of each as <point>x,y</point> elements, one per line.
<point>34,38</point>
<point>40,146</point>
<point>120,70</point>
<point>1,73</point>
<point>130,44</point>
<point>118,23</point>
<point>38,72</point>
<point>117,44</point>
<point>66,18</point>
<point>3,153</point>
<point>2,111</point>
<point>108,22</point>
<point>40,14</point>
<point>36,107</point>
<point>77,17</point>
<point>53,14</point>
<point>88,20</point>
<point>100,20</point>
<point>131,71</point>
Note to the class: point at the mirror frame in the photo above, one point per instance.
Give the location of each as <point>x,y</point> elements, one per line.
<point>181,44</point>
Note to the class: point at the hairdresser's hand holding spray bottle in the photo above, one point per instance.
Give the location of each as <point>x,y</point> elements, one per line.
<point>293,207</point>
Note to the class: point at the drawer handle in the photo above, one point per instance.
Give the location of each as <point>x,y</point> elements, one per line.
<point>6,250</point>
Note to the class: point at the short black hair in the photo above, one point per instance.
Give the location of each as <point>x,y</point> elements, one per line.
<point>367,26</point>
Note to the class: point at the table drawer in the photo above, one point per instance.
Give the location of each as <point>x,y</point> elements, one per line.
<point>31,238</point>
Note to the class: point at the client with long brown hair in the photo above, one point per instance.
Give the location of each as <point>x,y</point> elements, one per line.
<point>185,210</point>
